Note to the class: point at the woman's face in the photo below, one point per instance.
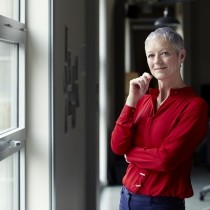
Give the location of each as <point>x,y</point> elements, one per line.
<point>163,60</point>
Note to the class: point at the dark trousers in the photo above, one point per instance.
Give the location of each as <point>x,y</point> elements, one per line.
<point>130,201</point>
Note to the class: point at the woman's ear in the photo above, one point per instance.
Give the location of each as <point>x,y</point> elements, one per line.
<point>182,55</point>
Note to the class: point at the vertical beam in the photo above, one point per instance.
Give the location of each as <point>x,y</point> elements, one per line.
<point>92,105</point>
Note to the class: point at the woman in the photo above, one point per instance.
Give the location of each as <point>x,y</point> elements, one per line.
<point>158,130</point>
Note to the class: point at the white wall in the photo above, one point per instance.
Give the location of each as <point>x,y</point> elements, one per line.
<point>106,82</point>
<point>37,105</point>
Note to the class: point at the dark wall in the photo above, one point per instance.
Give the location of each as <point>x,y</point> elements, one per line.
<point>75,108</point>
<point>198,34</point>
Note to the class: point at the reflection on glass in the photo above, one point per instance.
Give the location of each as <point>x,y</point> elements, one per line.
<point>8,86</point>
<point>9,8</point>
<point>9,183</point>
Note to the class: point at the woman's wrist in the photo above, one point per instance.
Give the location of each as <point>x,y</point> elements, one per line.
<point>131,101</point>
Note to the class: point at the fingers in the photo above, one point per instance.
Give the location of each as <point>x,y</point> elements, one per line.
<point>138,87</point>
<point>142,82</point>
<point>147,75</point>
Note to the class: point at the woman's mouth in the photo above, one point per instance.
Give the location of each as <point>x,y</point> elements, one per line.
<point>159,68</point>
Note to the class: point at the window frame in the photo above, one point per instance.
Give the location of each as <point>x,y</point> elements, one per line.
<point>15,32</point>
<point>13,140</point>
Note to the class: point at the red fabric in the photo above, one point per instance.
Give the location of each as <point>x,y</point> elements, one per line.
<point>159,144</point>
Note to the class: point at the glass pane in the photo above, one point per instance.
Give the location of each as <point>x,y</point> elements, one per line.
<point>8,86</point>
<point>9,182</point>
<point>9,8</point>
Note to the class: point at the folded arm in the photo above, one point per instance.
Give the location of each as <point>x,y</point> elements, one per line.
<point>178,146</point>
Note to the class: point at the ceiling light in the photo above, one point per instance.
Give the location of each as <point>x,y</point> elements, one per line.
<point>166,20</point>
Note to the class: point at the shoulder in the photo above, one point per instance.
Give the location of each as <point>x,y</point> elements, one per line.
<point>197,100</point>
<point>196,103</point>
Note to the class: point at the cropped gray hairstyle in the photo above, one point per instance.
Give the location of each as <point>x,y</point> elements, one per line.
<point>170,35</point>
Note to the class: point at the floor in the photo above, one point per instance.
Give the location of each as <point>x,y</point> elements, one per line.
<point>200,178</point>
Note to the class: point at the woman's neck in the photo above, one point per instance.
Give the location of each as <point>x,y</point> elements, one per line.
<point>164,90</point>
<point>165,86</point>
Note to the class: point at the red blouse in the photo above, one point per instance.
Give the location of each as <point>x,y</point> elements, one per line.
<point>158,144</point>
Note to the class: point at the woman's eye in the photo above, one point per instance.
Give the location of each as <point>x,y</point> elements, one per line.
<point>165,53</point>
<point>150,56</point>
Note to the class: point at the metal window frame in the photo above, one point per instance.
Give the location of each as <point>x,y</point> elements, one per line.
<point>13,141</point>
<point>15,32</point>
<point>12,30</point>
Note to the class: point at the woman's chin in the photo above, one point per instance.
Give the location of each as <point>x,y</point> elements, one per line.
<point>160,76</point>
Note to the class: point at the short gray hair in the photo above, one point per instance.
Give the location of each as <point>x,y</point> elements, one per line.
<point>170,35</point>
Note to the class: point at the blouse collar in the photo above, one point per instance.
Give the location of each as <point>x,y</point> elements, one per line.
<point>184,90</point>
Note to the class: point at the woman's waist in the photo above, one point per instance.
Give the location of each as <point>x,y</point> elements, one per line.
<point>171,183</point>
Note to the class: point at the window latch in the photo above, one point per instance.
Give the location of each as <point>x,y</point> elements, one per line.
<point>14,143</point>
<point>8,25</point>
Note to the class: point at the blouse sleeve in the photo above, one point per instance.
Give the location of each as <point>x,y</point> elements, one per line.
<point>179,145</point>
<point>122,132</point>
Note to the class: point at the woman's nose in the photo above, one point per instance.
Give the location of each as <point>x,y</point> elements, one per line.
<point>157,59</point>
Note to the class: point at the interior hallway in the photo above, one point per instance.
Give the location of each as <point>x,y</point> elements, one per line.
<point>200,177</point>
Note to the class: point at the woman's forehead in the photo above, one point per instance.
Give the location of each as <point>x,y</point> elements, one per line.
<point>158,43</point>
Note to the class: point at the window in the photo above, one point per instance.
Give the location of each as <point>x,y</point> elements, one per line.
<point>10,9</point>
<point>9,182</point>
<point>8,86</point>
<point>12,103</point>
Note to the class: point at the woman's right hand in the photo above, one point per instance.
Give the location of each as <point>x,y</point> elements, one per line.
<point>138,87</point>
